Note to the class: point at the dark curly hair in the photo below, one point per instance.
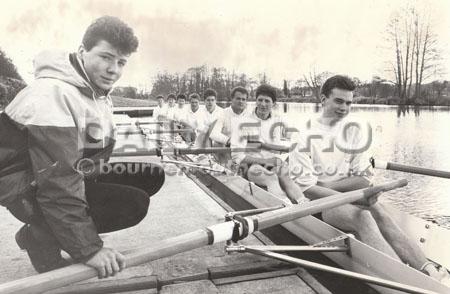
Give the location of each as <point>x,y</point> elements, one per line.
<point>267,90</point>
<point>239,89</point>
<point>194,96</point>
<point>181,96</point>
<point>112,30</point>
<point>339,82</point>
<point>209,92</point>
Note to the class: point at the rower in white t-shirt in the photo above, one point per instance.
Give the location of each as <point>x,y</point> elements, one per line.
<point>171,107</point>
<point>229,119</point>
<point>264,168</point>
<point>190,118</point>
<point>160,111</point>
<point>207,118</point>
<point>327,161</point>
<point>180,110</point>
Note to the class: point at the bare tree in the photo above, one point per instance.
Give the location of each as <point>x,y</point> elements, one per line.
<point>314,81</point>
<point>416,56</point>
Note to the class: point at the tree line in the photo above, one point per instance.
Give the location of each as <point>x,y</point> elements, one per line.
<point>413,68</point>
<point>10,80</point>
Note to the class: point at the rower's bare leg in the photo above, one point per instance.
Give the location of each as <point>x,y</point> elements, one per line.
<point>292,190</point>
<point>406,249</point>
<point>352,218</point>
<point>261,176</point>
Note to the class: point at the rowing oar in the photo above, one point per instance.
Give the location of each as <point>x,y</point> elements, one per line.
<point>409,169</point>
<point>207,236</point>
<point>138,123</point>
<point>150,131</point>
<point>193,165</point>
<point>185,162</point>
<point>182,151</point>
<point>317,266</point>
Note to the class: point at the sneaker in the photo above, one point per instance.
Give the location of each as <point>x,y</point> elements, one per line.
<point>437,272</point>
<point>44,255</point>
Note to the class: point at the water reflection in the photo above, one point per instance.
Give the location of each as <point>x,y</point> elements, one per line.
<point>416,110</point>
<point>403,110</point>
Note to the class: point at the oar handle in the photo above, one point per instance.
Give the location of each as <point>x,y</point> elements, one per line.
<point>380,164</point>
<point>371,191</point>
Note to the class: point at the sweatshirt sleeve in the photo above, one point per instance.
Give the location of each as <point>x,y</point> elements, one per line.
<point>216,133</point>
<point>301,169</point>
<point>54,150</point>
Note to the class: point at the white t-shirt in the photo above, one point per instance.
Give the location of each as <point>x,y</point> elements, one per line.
<point>206,118</point>
<point>192,119</point>
<point>180,114</point>
<point>170,112</point>
<point>253,128</point>
<point>329,153</point>
<point>159,111</point>
<point>227,123</point>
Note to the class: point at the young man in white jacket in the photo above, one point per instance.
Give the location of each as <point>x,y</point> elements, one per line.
<point>54,136</point>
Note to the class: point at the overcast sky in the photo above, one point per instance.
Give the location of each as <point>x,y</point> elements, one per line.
<point>285,39</point>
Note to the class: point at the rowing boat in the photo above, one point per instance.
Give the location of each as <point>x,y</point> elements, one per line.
<point>241,194</point>
<point>361,258</point>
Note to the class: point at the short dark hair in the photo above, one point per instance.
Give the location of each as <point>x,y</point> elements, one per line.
<point>171,95</point>
<point>240,90</point>
<point>181,96</point>
<point>160,97</point>
<point>267,90</point>
<point>209,92</point>
<point>112,30</point>
<point>194,96</point>
<point>339,82</point>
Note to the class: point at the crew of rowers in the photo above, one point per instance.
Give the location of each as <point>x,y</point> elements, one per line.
<point>326,158</point>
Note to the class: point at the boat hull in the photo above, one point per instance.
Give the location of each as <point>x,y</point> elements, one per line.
<point>361,258</point>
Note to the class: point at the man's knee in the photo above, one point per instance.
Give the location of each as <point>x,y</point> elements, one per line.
<point>141,205</point>
<point>349,217</point>
<point>259,174</point>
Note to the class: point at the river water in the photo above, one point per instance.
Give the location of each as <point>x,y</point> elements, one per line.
<point>419,137</point>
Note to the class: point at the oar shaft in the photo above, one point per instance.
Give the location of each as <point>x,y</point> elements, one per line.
<point>409,169</point>
<point>330,269</point>
<point>290,213</point>
<point>150,131</point>
<point>79,272</point>
<point>137,123</point>
<point>210,235</point>
<point>182,151</point>
<point>149,123</point>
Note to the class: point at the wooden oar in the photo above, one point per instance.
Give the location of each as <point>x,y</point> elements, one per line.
<point>185,162</point>
<point>139,123</point>
<point>269,147</point>
<point>181,151</point>
<point>151,131</point>
<point>409,169</point>
<point>196,166</point>
<point>185,242</point>
<point>316,266</point>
